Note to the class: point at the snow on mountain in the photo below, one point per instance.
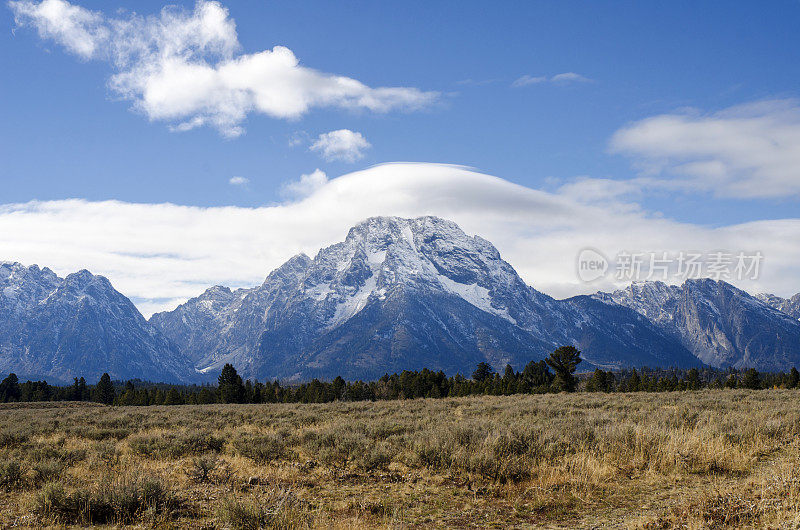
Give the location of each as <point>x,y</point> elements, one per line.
<point>401,294</point>
<point>395,294</point>
<point>790,306</point>
<point>722,325</point>
<point>80,325</point>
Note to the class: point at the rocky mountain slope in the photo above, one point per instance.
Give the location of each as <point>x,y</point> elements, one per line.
<point>722,325</point>
<point>790,306</point>
<point>396,294</point>
<point>59,328</point>
<point>403,294</point>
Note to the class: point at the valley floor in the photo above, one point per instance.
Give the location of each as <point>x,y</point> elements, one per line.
<point>712,458</point>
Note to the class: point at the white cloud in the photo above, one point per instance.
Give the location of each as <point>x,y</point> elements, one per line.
<point>182,67</point>
<point>305,185</point>
<point>164,253</point>
<point>344,144</point>
<point>239,181</point>
<point>569,77</point>
<point>745,151</point>
<point>558,79</point>
<point>77,29</point>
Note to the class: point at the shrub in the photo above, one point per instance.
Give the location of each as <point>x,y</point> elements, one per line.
<point>12,438</point>
<point>341,446</point>
<point>375,457</point>
<point>281,510</point>
<point>47,470</point>
<point>44,452</point>
<point>91,433</point>
<point>202,467</point>
<point>53,502</point>
<point>262,448</point>
<point>175,445</point>
<point>107,452</point>
<point>122,500</point>
<point>11,475</point>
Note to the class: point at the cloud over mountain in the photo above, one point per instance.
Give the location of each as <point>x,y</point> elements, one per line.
<point>161,254</point>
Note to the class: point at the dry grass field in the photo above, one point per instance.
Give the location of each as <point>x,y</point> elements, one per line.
<point>706,459</point>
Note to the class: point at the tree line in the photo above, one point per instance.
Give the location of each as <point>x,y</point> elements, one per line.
<point>554,374</point>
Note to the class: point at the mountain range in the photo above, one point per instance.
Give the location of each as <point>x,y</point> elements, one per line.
<point>79,326</point>
<point>397,294</point>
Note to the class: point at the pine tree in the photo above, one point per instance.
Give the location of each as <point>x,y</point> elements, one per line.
<point>597,383</point>
<point>339,387</point>
<point>83,390</point>
<point>693,379</point>
<point>104,391</point>
<point>564,361</point>
<point>794,378</point>
<point>482,372</point>
<point>751,379</point>
<point>537,375</point>
<point>231,388</point>
<point>9,389</point>
<point>634,382</point>
<point>173,397</point>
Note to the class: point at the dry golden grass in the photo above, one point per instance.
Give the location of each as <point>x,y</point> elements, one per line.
<point>707,459</point>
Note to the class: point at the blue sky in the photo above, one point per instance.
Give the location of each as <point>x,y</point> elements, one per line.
<point>66,133</point>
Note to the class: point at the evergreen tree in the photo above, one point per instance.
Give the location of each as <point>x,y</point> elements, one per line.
<point>231,388</point>
<point>483,372</point>
<point>751,379</point>
<point>598,382</point>
<point>537,375</point>
<point>339,387</point>
<point>104,390</point>
<point>564,361</point>
<point>173,397</point>
<point>83,390</point>
<point>611,382</point>
<point>9,389</point>
<point>693,379</point>
<point>794,378</point>
<point>634,382</point>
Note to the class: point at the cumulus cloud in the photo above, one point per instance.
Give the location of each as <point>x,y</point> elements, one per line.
<point>160,254</point>
<point>239,181</point>
<point>305,185</point>
<point>557,79</point>
<point>344,144</point>
<point>747,151</point>
<point>184,67</point>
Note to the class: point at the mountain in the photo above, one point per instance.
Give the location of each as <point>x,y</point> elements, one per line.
<point>397,294</point>
<point>722,325</point>
<point>790,306</point>
<point>402,294</point>
<point>58,328</point>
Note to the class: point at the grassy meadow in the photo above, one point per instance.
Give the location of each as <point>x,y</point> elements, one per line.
<point>705,459</point>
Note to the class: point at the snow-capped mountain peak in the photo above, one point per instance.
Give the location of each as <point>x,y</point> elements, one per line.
<point>789,306</point>
<point>79,325</point>
<point>397,294</point>
<point>381,253</point>
<point>721,324</point>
